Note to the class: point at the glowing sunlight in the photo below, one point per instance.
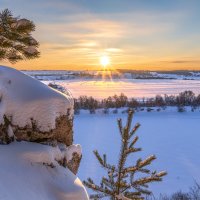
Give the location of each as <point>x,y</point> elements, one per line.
<point>105,61</point>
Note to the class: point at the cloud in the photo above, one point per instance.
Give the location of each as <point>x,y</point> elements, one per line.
<point>91,32</point>
<point>120,31</point>
<point>113,50</point>
<point>182,61</point>
<point>72,31</point>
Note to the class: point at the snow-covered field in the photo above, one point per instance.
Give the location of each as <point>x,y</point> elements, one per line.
<point>174,137</point>
<point>131,88</point>
<point>116,74</point>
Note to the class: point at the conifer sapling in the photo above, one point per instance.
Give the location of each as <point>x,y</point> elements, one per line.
<point>122,182</point>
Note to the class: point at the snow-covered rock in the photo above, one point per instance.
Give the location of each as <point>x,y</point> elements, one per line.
<point>32,110</point>
<point>72,156</point>
<point>31,171</point>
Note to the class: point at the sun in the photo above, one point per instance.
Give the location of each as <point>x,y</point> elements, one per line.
<point>104,60</point>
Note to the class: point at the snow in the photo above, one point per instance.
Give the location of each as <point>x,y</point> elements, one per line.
<point>132,88</point>
<point>30,50</point>
<point>20,22</point>
<point>24,98</point>
<point>116,75</point>
<point>10,131</point>
<point>52,155</point>
<point>31,170</point>
<point>26,173</point>
<point>67,152</point>
<point>76,148</point>
<point>172,136</point>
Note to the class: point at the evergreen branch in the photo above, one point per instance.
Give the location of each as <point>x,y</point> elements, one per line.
<point>107,182</point>
<point>122,158</point>
<point>118,186</point>
<point>122,184</point>
<point>111,179</point>
<point>121,197</point>
<point>130,169</point>
<point>98,157</point>
<point>132,193</point>
<point>129,120</point>
<point>152,178</point>
<point>147,171</point>
<point>16,42</point>
<point>102,161</point>
<point>128,196</point>
<point>142,191</point>
<point>119,122</point>
<point>136,127</point>
<point>147,161</point>
<point>98,196</point>
<point>132,150</point>
<point>161,174</point>
<point>98,188</point>
<point>133,142</point>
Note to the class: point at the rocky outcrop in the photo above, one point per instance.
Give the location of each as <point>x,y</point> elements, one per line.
<point>72,157</point>
<point>74,163</point>
<point>32,111</point>
<point>63,132</point>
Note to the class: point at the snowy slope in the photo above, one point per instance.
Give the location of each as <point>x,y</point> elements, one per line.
<point>25,174</point>
<point>24,98</point>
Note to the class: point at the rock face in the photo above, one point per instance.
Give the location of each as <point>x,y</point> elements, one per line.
<point>32,111</point>
<point>63,132</point>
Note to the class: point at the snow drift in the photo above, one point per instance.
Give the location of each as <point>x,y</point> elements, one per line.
<point>31,171</point>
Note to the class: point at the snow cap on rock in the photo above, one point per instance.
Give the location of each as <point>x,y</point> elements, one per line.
<point>24,99</point>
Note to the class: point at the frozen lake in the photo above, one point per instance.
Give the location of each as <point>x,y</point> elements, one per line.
<point>132,88</point>
<point>173,137</point>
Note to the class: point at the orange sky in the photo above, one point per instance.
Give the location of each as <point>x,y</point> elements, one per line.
<point>74,35</point>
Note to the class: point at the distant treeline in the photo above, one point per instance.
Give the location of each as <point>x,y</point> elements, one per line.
<point>186,98</point>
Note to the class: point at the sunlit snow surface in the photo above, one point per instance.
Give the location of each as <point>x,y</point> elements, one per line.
<point>132,88</point>
<point>174,138</point>
<point>25,176</point>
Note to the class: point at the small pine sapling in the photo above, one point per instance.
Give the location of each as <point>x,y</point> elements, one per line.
<point>122,182</point>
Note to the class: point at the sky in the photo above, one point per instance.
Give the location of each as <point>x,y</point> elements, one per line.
<point>134,34</point>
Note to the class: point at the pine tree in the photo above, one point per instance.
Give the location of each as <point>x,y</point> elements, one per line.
<point>122,182</point>
<point>16,41</point>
